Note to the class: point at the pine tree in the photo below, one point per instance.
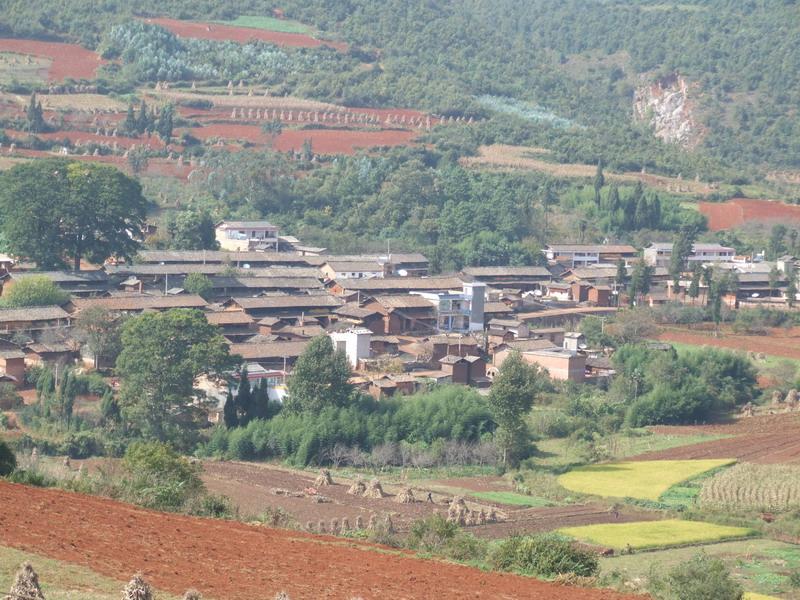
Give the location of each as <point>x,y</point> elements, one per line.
<point>130,125</point>
<point>261,400</point>
<point>599,182</point>
<point>244,397</point>
<point>164,125</point>
<point>694,286</point>
<point>142,122</point>
<point>34,116</point>
<point>229,412</point>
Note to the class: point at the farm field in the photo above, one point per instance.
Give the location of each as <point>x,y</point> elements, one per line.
<point>251,487</point>
<point>767,439</point>
<point>62,580</point>
<point>738,211</point>
<point>68,60</point>
<point>217,31</point>
<point>646,480</point>
<point>23,68</point>
<point>519,157</point>
<point>177,552</point>
<point>778,342</point>
<point>654,534</point>
<point>762,566</point>
<point>270,24</point>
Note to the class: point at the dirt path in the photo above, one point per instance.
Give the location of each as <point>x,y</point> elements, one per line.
<point>232,561</point>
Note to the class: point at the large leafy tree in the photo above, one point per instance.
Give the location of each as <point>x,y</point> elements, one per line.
<point>36,290</point>
<point>70,210</point>
<point>162,355</point>
<point>100,329</point>
<point>319,378</point>
<point>192,230</point>
<point>510,399</point>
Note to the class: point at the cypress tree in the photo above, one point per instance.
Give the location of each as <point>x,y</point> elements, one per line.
<point>229,412</point>
<point>244,397</point>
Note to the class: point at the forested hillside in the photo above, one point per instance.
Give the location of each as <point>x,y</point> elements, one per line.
<point>572,66</point>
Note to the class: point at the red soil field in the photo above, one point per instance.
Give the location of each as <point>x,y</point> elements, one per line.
<point>215,31</point>
<point>338,141</point>
<point>69,60</point>
<point>778,342</point>
<point>768,439</point>
<point>736,212</point>
<point>232,561</point>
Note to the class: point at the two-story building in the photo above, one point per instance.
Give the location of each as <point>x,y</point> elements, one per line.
<point>584,255</point>
<point>659,254</point>
<point>241,236</point>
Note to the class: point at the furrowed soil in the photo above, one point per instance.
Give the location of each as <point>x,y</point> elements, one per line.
<point>232,561</point>
<point>69,60</point>
<point>737,212</point>
<point>768,439</point>
<point>216,31</point>
<point>778,342</point>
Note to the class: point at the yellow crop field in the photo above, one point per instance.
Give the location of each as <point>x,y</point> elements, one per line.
<point>754,596</point>
<point>654,534</point>
<point>645,480</point>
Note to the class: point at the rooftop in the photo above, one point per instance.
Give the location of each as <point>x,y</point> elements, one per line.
<point>32,313</point>
<point>362,266</point>
<point>507,272</point>
<point>604,248</point>
<point>141,302</point>
<point>294,301</point>
<point>269,350</point>
<point>402,283</point>
<point>246,225</point>
<point>229,317</point>
<point>403,301</point>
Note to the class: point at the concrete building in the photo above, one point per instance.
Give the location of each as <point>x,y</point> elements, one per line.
<point>660,254</point>
<point>459,311</point>
<point>241,236</point>
<point>584,255</point>
<point>355,343</point>
<point>559,363</point>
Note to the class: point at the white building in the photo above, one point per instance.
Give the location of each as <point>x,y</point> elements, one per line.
<point>241,236</point>
<point>585,255</point>
<point>354,343</point>
<point>459,310</point>
<point>660,254</point>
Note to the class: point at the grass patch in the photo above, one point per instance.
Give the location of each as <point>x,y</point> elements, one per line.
<point>755,596</point>
<point>645,480</point>
<point>654,534</point>
<point>270,24</point>
<point>23,68</point>
<point>762,566</point>
<point>511,498</point>
<point>61,580</point>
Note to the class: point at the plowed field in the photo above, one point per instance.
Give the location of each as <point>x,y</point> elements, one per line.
<point>779,342</point>
<point>69,60</point>
<point>215,31</point>
<point>769,439</point>
<point>736,212</point>
<point>232,561</point>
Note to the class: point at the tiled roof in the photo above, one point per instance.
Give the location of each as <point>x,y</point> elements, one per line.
<point>32,313</point>
<point>139,303</point>
<point>269,350</point>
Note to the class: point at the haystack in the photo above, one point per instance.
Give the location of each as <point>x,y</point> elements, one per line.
<point>373,522</point>
<point>481,517</point>
<point>334,526</point>
<point>359,522</point>
<point>389,525</point>
<point>358,488</point>
<point>137,589</point>
<point>492,516</point>
<point>405,497</point>
<point>192,595</point>
<point>458,511</point>
<point>324,478</point>
<point>345,525</point>
<point>310,526</point>
<point>322,527</point>
<point>26,584</point>
<point>791,397</point>
<point>374,489</point>
<point>282,596</point>
<point>776,397</point>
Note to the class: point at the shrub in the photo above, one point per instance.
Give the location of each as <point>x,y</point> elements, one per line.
<point>9,398</point>
<point>546,555</point>
<point>82,444</point>
<point>158,477</point>
<point>699,578</point>
<point>8,462</point>
<point>30,477</point>
<point>432,534</point>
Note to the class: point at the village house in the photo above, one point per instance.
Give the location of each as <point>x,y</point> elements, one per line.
<point>559,363</point>
<point>138,303</point>
<point>659,254</point>
<point>402,314</point>
<point>52,353</point>
<point>584,255</point>
<point>271,356</point>
<point>247,235</point>
<point>521,278</point>
<point>81,283</point>
<point>364,269</point>
<point>286,306</point>
<point>12,367</point>
<point>33,319</point>
<point>225,287</point>
<point>458,311</point>
<point>236,326</point>
<point>356,289</point>
<point>453,344</point>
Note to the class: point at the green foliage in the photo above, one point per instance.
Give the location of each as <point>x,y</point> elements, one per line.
<point>191,230</point>
<point>200,284</point>
<point>435,535</point>
<point>34,119</point>
<point>100,329</point>
<point>71,209</point>
<point>319,378</point>
<point>546,555</point>
<point>511,397</point>
<point>36,290</point>
<point>158,477</point>
<point>700,578</point>
<point>8,462</point>
<point>663,387</point>
<point>162,354</point>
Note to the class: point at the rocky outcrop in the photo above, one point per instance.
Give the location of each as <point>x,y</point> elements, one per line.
<point>666,105</point>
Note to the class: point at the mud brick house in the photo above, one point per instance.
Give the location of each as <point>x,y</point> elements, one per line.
<point>283,306</point>
<point>239,260</point>
<point>235,325</point>
<point>464,370</point>
<point>520,278</point>
<point>226,287</point>
<point>271,355</point>
<point>61,353</point>
<point>352,313</point>
<point>33,319</point>
<point>357,289</point>
<point>138,303</point>
<point>453,344</point>
<point>562,317</point>
<point>12,367</point>
<point>560,364</point>
<point>403,314</point>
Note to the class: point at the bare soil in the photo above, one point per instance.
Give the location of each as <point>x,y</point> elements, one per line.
<point>778,342</point>
<point>233,561</point>
<point>69,60</point>
<point>738,211</point>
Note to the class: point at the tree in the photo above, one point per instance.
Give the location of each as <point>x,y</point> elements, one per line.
<point>244,397</point>
<point>599,182</point>
<point>165,122</point>
<point>8,462</point>
<point>34,116</point>
<point>681,250</point>
<point>71,209</point>
<point>138,159</point>
<point>621,278</point>
<point>320,378</point>
<point>100,329</point>
<point>694,285</point>
<point>143,122</point>
<point>776,245</point>
<point>192,230</point>
<point>200,284</point>
<point>35,290</point>
<point>229,412</point>
<point>510,399</point>
<point>699,578</point>
<point>774,275</point>
<point>791,288</point>
<point>162,355</point>
<point>640,280</point>
<point>129,126</point>
<point>633,325</point>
